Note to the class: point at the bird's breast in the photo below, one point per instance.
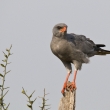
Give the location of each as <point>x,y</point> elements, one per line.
<point>61,48</point>
<point>61,51</point>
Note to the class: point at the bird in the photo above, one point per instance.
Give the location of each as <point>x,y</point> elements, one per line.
<point>74,49</point>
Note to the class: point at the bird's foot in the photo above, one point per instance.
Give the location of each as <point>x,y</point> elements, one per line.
<point>72,86</point>
<point>63,89</point>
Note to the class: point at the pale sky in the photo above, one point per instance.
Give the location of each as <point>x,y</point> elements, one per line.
<point>27,25</point>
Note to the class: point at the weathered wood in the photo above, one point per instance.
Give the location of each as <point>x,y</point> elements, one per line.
<point>67,102</point>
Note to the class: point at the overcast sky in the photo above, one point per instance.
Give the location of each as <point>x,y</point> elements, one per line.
<point>27,25</point>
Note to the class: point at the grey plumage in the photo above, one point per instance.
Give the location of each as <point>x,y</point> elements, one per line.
<point>73,48</point>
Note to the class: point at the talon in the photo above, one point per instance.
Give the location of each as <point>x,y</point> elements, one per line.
<point>72,86</point>
<point>63,94</point>
<point>64,87</point>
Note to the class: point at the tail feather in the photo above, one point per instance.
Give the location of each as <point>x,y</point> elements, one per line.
<point>100,45</point>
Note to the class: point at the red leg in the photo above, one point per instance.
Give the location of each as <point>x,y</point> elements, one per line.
<point>65,84</point>
<point>73,84</point>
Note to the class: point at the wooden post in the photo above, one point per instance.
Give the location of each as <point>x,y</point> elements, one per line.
<point>68,101</point>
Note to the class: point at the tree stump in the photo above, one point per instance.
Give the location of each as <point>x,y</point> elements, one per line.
<point>68,101</point>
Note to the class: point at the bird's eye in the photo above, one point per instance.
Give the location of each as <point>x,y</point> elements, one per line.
<point>59,27</point>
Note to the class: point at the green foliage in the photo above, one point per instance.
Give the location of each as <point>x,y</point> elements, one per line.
<point>3,106</point>
<point>30,102</point>
<point>3,76</point>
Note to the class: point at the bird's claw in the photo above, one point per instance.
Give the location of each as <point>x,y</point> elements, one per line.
<point>63,90</point>
<point>72,86</point>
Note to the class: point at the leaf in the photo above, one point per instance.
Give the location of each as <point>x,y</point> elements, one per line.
<point>7,106</point>
<point>10,53</point>
<point>4,60</point>
<point>4,104</point>
<point>2,65</point>
<point>30,96</point>
<point>6,56</point>
<point>8,71</point>
<point>47,105</point>
<point>34,99</point>
<point>7,50</point>
<point>1,75</point>
<point>40,107</point>
<point>23,92</point>
<point>9,63</point>
<point>31,102</point>
<point>30,106</point>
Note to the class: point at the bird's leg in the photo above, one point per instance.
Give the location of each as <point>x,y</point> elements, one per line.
<point>65,83</point>
<point>73,83</point>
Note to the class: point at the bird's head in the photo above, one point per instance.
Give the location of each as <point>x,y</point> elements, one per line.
<point>59,30</point>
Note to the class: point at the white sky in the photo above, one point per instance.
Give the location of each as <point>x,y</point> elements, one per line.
<point>27,25</point>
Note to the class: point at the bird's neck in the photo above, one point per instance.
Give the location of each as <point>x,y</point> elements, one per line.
<point>63,36</point>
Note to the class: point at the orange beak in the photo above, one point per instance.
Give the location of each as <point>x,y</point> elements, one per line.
<point>63,29</point>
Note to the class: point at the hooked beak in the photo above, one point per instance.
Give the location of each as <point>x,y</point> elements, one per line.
<point>63,29</point>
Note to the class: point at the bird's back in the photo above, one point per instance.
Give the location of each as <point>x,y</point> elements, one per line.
<point>82,44</point>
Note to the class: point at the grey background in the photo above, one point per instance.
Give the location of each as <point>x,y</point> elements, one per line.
<point>27,25</point>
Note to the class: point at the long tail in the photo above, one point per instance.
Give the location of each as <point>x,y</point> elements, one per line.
<point>100,45</point>
<point>101,51</point>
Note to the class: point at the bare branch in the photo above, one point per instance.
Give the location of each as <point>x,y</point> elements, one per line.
<point>4,95</point>
<point>44,101</point>
<point>30,105</point>
<point>2,88</point>
<point>8,71</point>
<point>7,106</point>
